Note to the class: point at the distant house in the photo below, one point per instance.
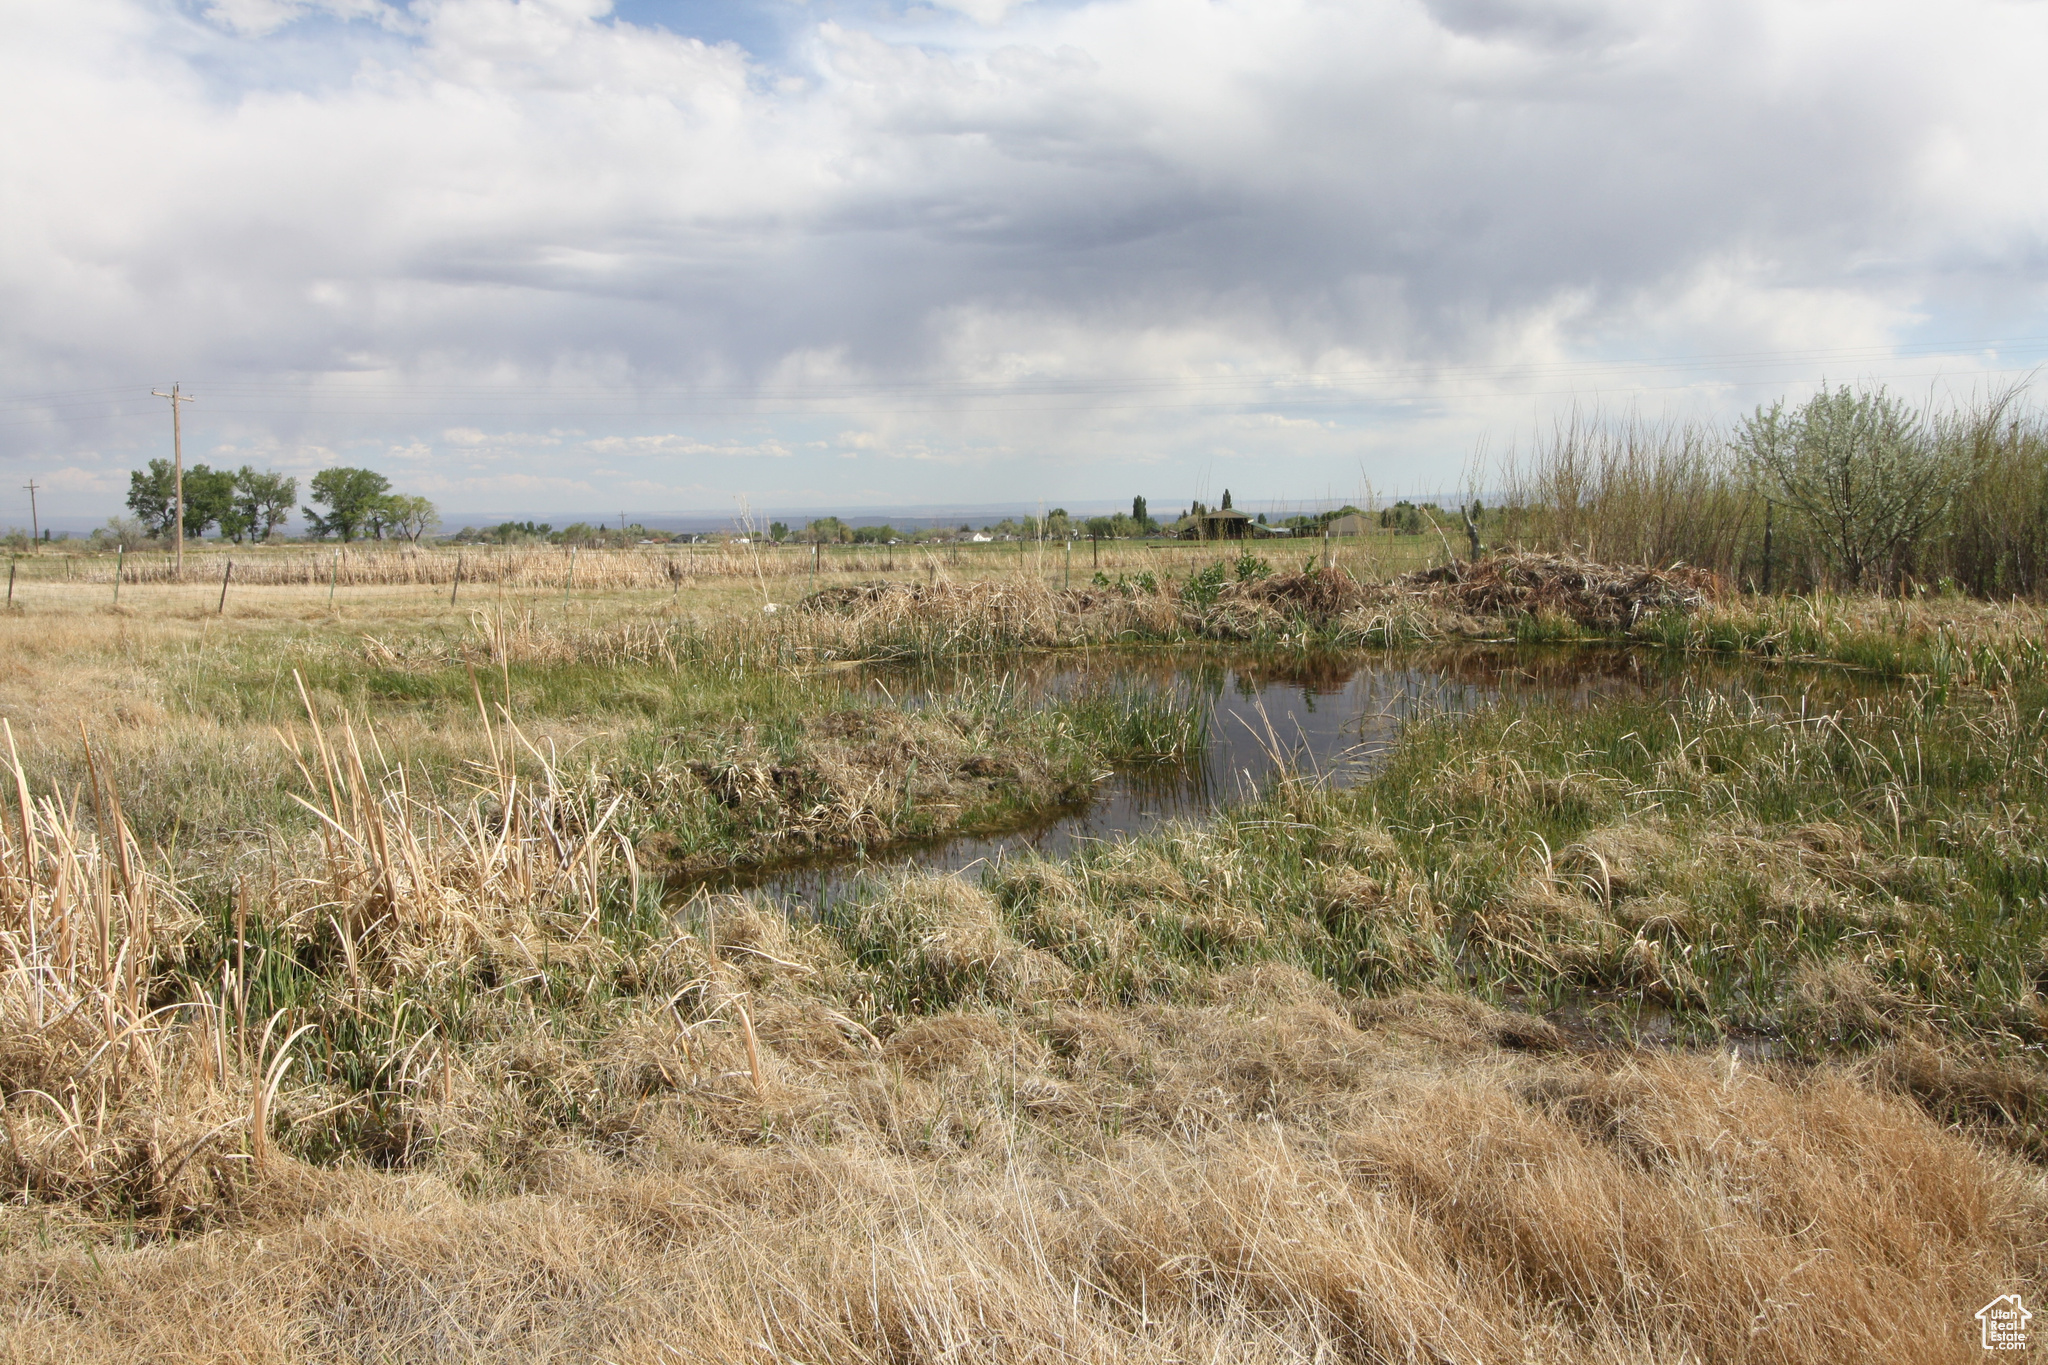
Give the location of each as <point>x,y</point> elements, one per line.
<point>979,539</point>
<point>1228,524</point>
<point>1353,525</point>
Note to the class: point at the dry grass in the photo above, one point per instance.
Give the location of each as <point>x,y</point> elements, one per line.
<point>445,1079</point>
<point>972,1124</point>
<point>776,572</point>
<point>1263,1178</point>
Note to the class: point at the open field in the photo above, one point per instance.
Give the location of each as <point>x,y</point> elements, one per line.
<point>347,1014</point>
<point>69,575</point>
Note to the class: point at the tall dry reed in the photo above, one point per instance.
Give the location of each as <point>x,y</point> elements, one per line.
<point>421,885</point>
<point>1637,492</point>
<point>1996,541</point>
<point>107,1099</point>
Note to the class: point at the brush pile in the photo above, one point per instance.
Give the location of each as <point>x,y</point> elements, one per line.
<point>1456,598</point>
<point>1599,596</point>
<point>1318,595</point>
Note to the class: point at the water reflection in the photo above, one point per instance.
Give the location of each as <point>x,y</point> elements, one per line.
<point>1336,716</point>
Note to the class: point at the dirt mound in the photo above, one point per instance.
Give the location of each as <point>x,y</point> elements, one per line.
<point>1605,596</point>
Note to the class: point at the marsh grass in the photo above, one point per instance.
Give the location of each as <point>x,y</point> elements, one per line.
<point>1634,491</point>
<point>1637,491</point>
<point>1615,1030</point>
<point>1804,873</point>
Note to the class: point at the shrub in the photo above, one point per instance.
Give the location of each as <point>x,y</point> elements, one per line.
<point>1862,472</point>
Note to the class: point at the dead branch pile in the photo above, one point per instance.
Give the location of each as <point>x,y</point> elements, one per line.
<point>1318,594</point>
<point>1604,596</point>
<point>1596,596</point>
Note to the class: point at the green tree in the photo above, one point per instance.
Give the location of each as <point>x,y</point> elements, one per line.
<point>209,495</point>
<point>1138,511</point>
<point>258,505</point>
<point>354,499</point>
<point>778,531</point>
<point>266,499</point>
<point>410,515</point>
<point>152,497</point>
<point>1226,500</point>
<point>1860,469</point>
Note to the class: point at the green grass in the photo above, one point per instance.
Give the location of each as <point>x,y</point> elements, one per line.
<point>1820,863</point>
<point>1709,855</point>
<point>1861,873</point>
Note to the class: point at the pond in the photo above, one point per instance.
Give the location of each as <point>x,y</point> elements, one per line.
<point>1334,717</point>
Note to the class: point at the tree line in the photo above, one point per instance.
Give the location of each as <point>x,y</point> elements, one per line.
<point>248,504</point>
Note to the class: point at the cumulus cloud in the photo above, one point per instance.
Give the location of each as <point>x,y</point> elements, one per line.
<point>1012,241</point>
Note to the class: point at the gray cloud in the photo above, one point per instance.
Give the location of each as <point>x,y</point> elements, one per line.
<point>470,210</point>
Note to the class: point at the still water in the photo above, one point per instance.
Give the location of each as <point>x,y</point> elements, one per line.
<point>1335,717</point>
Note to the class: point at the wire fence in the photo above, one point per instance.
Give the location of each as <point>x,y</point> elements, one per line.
<point>220,576</point>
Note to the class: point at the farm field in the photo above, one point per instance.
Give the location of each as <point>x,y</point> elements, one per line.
<point>379,984</point>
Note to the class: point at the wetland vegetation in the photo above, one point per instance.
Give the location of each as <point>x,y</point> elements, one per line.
<point>1668,959</point>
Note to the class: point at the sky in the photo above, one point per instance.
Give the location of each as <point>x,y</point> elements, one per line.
<point>562,258</point>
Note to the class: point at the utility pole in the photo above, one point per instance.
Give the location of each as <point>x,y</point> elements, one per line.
<point>35,527</point>
<point>178,459</point>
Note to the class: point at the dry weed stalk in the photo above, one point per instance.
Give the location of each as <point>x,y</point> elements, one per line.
<point>524,866</point>
<point>108,1100</point>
